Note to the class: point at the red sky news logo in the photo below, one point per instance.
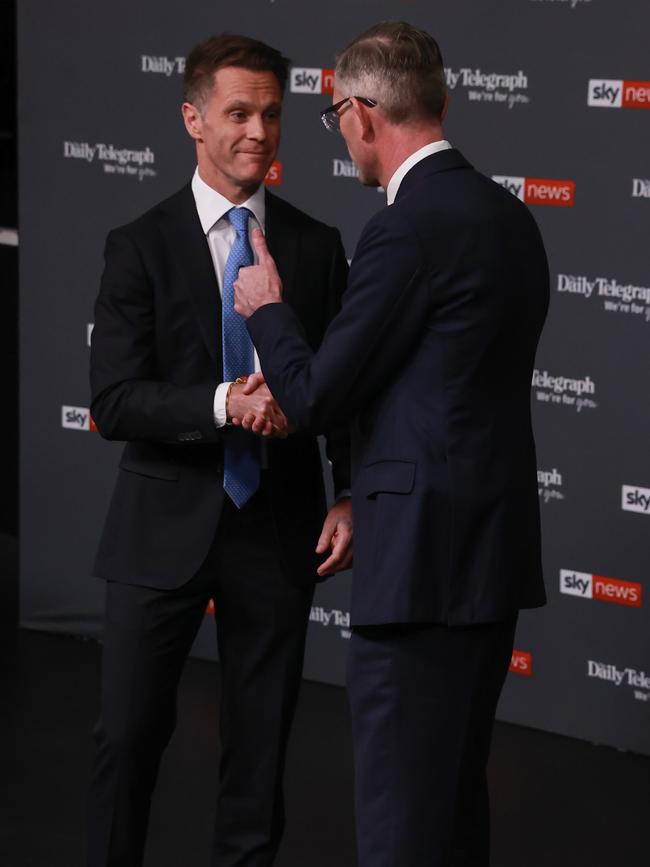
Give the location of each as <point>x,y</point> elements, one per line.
<point>308,80</point>
<point>539,191</point>
<point>616,93</point>
<point>274,175</point>
<point>77,418</point>
<point>210,607</point>
<point>588,586</point>
<point>521,662</point>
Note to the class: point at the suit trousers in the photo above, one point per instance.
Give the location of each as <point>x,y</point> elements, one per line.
<point>423,699</point>
<point>261,620</point>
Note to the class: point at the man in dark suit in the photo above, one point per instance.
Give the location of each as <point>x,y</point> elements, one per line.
<point>431,359</point>
<point>202,509</point>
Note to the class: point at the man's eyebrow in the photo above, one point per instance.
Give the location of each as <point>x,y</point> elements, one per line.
<point>241,103</point>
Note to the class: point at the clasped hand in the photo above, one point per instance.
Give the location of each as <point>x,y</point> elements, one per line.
<point>252,406</point>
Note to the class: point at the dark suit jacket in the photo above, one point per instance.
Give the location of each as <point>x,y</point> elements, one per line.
<point>431,358</point>
<point>155,363</point>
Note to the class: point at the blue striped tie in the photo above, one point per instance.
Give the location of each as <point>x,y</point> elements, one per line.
<point>241,477</point>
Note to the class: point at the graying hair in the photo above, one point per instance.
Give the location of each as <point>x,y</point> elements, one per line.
<point>398,65</point>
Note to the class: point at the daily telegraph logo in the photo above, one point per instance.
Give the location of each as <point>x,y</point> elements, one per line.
<point>640,188</point>
<point>347,169</point>
<point>344,169</point>
<point>274,175</point>
<point>639,681</point>
<point>507,89</point>
<point>162,65</point>
<point>564,390</point>
<point>539,191</point>
<point>115,161</point>
<point>77,418</point>
<point>549,485</point>
<point>311,80</point>
<point>617,297</point>
<point>521,662</point>
<point>635,499</point>
<point>331,617</point>
<point>605,589</point>
<point>616,93</point>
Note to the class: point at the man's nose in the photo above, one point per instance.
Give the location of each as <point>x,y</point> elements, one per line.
<point>256,128</point>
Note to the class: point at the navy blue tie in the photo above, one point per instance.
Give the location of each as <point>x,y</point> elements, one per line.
<point>241,477</point>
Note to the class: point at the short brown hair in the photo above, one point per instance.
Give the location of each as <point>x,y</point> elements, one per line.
<point>402,65</point>
<point>229,49</point>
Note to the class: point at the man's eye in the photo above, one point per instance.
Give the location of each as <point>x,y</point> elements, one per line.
<point>238,116</point>
<point>272,115</point>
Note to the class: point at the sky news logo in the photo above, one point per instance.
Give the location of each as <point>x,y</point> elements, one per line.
<point>616,93</point>
<point>600,587</point>
<point>521,662</point>
<point>77,418</point>
<point>635,499</point>
<point>311,80</point>
<point>539,191</point>
<point>274,175</point>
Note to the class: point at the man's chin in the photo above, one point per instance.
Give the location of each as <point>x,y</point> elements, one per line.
<point>368,180</point>
<point>251,181</point>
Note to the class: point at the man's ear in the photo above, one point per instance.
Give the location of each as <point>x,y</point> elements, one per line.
<point>193,120</point>
<point>365,120</point>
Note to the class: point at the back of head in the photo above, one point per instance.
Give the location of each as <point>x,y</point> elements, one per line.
<point>229,49</point>
<point>398,65</point>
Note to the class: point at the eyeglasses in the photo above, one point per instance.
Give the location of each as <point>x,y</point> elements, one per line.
<point>330,115</point>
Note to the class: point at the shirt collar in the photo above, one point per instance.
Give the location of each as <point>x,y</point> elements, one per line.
<point>212,206</point>
<point>409,162</point>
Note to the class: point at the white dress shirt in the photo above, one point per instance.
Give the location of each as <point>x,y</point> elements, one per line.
<point>409,162</point>
<point>212,208</point>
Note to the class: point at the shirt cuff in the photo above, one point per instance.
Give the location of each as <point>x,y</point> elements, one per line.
<point>219,406</point>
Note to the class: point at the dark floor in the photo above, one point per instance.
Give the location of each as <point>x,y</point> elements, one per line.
<point>556,801</point>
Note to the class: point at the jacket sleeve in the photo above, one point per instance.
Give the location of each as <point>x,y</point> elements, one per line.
<point>383,316</point>
<point>337,438</point>
<point>130,400</point>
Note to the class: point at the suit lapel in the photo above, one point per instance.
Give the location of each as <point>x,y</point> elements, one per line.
<point>282,238</point>
<point>189,248</point>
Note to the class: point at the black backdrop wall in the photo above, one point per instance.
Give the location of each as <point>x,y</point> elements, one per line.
<point>551,98</point>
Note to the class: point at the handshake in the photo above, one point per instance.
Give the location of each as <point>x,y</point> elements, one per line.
<point>250,405</point>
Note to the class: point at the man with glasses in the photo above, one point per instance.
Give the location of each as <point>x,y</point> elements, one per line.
<point>431,359</point>
<point>203,510</point>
